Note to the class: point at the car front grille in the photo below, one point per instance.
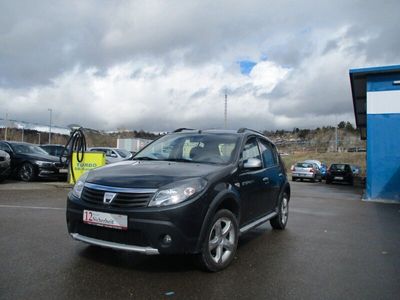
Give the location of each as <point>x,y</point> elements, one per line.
<point>58,165</point>
<point>129,200</point>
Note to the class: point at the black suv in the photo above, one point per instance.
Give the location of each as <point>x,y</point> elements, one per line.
<point>191,191</point>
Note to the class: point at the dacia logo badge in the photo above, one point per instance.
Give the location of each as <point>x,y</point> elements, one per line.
<point>109,197</point>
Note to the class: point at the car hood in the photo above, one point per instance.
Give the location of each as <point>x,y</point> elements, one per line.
<point>149,174</point>
<point>41,157</point>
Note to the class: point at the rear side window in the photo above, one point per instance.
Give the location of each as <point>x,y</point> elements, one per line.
<point>268,154</point>
<point>338,167</point>
<point>304,165</point>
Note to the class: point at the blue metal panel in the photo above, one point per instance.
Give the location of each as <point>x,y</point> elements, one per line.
<point>383,82</point>
<point>383,156</point>
<point>383,69</point>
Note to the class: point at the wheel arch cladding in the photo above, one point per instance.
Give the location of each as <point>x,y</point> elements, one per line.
<point>224,200</point>
<point>286,189</point>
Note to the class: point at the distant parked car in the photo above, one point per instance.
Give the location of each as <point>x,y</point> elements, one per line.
<point>340,173</point>
<point>5,165</point>
<point>113,154</point>
<point>29,162</point>
<point>356,149</point>
<point>321,166</point>
<point>306,170</point>
<point>356,170</point>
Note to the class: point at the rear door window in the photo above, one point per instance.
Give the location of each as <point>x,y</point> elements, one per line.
<point>268,154</point>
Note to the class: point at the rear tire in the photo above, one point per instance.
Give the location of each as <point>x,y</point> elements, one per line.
<point>294,178</point>
<point>328,181</point>
<point>220,242</point>
<point>26,172</point>
<point>279,222</point>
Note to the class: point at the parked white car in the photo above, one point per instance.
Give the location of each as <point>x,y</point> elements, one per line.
<point>113,155</point>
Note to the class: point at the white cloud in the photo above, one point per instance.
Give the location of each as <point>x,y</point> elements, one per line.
<point>155,98</point>
<point>266,75</point>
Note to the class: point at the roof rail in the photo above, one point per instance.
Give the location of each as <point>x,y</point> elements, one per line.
<point>182,129</point>
<point>242,130</point>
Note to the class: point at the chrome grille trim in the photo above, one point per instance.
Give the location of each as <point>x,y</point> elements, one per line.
<point>113,189</point>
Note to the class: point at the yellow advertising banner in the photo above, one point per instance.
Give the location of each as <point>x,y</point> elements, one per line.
<point>91,160</point>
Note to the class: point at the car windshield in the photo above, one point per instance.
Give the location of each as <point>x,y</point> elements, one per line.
<point>197,147</point>
<point>123,153</point>
<point>28,149</point>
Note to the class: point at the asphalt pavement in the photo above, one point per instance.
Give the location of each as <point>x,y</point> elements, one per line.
<point>335,247</point>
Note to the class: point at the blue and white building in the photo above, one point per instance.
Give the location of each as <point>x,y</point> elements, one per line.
<point>376,100</point>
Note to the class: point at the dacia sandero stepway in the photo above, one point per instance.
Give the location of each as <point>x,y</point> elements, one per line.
<point>190,191</point>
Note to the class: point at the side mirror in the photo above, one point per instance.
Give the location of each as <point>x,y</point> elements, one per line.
<point>252,163</point>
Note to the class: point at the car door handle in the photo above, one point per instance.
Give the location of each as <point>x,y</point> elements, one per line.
<point>265,179</point>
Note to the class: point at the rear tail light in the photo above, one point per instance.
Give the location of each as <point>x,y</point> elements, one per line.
<point>292,168</point>
<point>312,171</point>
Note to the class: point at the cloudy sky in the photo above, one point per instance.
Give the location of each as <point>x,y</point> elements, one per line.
<point>159,65</point>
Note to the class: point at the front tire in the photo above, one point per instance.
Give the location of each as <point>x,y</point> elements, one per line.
<point>26,172</point>
<point>279,222</point>
<point>220,242</point>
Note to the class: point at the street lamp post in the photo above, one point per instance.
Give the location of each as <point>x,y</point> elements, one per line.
<point>39,137</point>
<point>5,130</point>
<point>51,111</point>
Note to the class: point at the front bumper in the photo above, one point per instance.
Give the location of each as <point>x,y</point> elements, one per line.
<point>50,173</point>
<point>118,246</point>
<point>5,170</point>
<point>147,227</point>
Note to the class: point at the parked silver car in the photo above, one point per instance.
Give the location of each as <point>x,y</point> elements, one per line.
<point>5,165</point>
<point>113,154</point>
<point>306,170</point>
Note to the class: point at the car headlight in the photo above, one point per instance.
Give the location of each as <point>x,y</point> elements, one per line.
<point>79,185</point>
<point>44,163</point>
<point>178,192</point>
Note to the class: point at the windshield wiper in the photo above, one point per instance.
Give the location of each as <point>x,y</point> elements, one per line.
<point>144,158</point>
<point>181,160</point>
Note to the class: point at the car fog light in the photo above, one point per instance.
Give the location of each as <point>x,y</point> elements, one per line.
<point>167,239</point>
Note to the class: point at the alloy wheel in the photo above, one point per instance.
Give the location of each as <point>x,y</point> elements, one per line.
<point>26,172</point>
<point>221,242</point>
<point>284,210</point>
